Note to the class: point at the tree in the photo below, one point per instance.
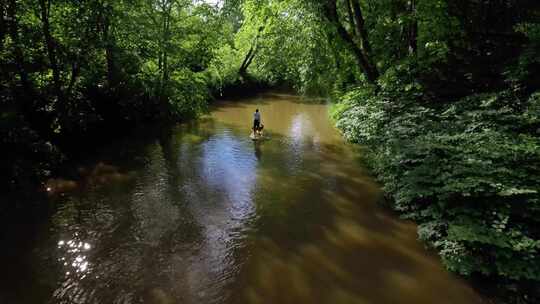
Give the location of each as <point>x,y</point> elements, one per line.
<point>357,40</point>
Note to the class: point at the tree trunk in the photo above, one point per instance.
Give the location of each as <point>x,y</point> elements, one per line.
<point>109,52</point>
<point>351,18</point>
<point>412,41</point>
<point>51,51</point>
<point>163,56</point>
<point>363,35</point>
<point>17,50</point>
<point>369,71</point>
<point>247,61</point>
<point>252,51</point>
<point>75,71</point>
<point>361,26</point>
<point>166,35</point>
<point>3,23</point>
<point>26,98</point>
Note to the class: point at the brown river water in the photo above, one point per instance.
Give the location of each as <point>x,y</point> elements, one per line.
<point>203,214</point>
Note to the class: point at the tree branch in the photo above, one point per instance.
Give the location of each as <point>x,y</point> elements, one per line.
<point>331,13</point>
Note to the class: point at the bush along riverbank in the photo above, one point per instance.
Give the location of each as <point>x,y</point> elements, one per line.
<point>468,172</point>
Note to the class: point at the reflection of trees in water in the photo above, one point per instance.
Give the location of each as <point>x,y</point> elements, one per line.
<point>174,236</point>
<point>131,236</point>
<point>221,195</point>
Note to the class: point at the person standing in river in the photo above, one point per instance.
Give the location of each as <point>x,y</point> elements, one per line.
<point>256,121</point>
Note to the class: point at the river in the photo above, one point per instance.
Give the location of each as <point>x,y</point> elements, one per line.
<point>203,214</point>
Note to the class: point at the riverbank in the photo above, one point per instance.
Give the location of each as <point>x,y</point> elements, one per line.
<point>466,171</point>
<point>34,155</point>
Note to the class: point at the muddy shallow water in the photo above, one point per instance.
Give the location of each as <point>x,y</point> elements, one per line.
<point>203,214</point>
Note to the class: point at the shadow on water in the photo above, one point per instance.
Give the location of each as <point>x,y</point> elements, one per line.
<point>200,213</point>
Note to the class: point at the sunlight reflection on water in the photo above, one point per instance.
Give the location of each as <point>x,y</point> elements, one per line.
<point>73,251</point>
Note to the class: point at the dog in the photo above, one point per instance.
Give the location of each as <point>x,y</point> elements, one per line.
<point>258,131</point>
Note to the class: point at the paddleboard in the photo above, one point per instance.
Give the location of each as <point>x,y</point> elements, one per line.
<point>256,137</point>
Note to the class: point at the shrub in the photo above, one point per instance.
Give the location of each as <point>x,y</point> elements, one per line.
<point>468,172</point>
<point>29,158</point>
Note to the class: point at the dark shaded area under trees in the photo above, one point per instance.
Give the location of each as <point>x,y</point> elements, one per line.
<point>76,74</point>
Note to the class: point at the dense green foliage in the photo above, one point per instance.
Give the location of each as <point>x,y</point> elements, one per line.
<point>455,136</point>
<point>467,171</point>
<point>77,72</point>
<point>446,93</point>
